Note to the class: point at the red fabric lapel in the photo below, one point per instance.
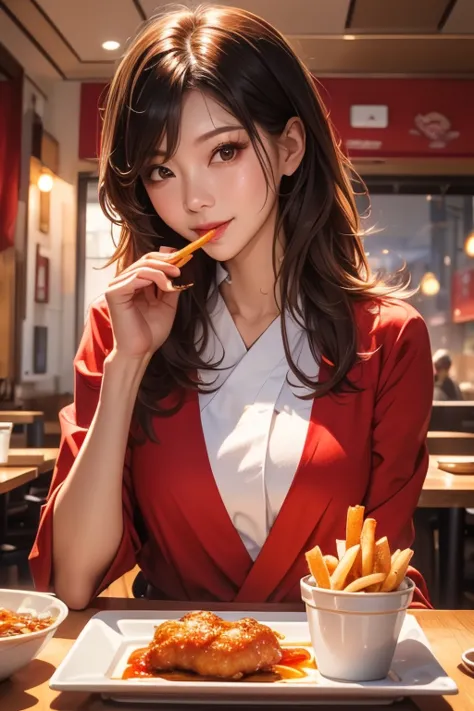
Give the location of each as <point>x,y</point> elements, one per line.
<point>195,491</point>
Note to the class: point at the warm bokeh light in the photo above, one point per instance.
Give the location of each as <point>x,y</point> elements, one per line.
<point>429,284</point>
<point>45,182</point>
<point>469,245</point>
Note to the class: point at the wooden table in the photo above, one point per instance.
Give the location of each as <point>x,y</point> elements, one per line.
<point>450,443</point>
<point>43,458</point>
<point>449,633</point>
<point>13,477</point>
<point>32,419</point>
<point>455,493</point>
<point>444,490</point>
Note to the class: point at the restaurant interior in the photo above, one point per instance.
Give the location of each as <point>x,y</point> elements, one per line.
<point>398,80</point>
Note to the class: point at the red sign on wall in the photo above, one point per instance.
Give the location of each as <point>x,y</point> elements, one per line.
<point>426,117</point>
<point>462,296</point>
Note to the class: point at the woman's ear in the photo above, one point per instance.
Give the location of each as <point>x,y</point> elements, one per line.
<point>292,143</point>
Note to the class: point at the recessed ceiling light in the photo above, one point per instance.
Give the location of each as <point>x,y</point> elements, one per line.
<point>111,45</point>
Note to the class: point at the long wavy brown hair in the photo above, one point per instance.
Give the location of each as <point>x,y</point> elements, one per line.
<point>246,65</point>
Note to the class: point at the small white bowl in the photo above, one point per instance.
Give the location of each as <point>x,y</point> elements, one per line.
<point>354,635</point>
<point>17,651</point>
<point>468,659</point>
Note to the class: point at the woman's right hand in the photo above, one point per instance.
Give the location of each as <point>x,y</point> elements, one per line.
<point>142,303</point>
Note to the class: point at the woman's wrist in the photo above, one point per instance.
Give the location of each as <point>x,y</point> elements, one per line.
<point>122,373</point>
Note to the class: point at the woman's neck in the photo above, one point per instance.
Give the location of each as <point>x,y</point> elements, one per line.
<point>249,293</point>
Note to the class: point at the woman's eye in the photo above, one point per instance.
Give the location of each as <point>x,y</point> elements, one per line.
<point>226,153</point>
<point>159,173</point>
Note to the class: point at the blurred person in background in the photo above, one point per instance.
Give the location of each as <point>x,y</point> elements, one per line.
<point>445,387</point>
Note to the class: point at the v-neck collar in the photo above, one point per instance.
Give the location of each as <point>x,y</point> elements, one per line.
<point>193,482</point>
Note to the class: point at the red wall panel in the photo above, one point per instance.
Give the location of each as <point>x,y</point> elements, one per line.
<point>426,117</point>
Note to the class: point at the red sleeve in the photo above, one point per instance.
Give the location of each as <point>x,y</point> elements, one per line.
<point>401,418</point>
<point>75,420</point>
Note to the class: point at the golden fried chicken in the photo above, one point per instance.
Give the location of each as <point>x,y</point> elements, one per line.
<point>204,643</point>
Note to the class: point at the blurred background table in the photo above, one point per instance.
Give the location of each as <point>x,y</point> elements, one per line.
<point>33,421</point>
<point>44,458</point>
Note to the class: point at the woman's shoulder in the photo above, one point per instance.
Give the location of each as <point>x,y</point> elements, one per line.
<point>388,320</point>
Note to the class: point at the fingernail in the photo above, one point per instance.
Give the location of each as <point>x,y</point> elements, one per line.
<point>183,287</point>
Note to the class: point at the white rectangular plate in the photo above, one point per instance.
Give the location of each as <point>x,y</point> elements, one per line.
<point>96,660</point>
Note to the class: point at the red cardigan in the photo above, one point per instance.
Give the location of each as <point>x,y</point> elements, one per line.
<point>366,447</point>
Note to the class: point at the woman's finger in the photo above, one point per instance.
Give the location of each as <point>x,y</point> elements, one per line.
<point>153,261</point>
<point>121,292</point>
<point>150,275</point>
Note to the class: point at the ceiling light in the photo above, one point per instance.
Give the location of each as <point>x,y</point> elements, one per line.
<point>110,45</point>
<point>45,182</point>
<point>349,37</point>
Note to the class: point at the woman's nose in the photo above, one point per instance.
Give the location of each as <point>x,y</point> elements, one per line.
<point>197,196</point>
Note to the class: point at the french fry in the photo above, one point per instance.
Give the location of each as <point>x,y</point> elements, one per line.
<point>341,548</point>
<point>338,578</point>
<point>365,582</point>
<point>382,561</point>
<point>362,563</point>
<point>180,258</point>
<point>367,545</point>
<point>317,567</point>
<point>397,571</point>
<point>354,523</point>
<point>331,562</point>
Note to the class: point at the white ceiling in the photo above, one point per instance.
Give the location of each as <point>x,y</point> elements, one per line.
<point>61,39</point>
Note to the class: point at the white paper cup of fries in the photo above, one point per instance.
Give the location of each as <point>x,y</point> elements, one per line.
<point>354,635</point>
<point>356,602</point>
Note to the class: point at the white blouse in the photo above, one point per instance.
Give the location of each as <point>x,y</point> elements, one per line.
<point>254,424</point>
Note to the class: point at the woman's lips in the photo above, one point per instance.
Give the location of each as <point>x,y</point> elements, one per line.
<point>219,228</point>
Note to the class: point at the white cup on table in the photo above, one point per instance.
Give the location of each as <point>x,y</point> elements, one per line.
<point>354,634</point>
<point>5,435</point>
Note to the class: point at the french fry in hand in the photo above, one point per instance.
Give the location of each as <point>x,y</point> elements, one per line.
<point>365,582</point>
<point>367,546</point>
<point>338,578</point>
<point>182,256</point>
<point>331,562</point>
<point>318,568</point>
<point>397,571</point>
<point>382,561</point>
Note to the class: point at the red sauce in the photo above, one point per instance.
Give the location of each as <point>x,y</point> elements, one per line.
<point>294,664</point>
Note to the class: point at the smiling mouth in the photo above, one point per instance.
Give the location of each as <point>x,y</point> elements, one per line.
<point>219,227</point>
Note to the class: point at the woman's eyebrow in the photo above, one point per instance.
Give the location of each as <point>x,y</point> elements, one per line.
<point>158,153</point>
<point>217,131</point>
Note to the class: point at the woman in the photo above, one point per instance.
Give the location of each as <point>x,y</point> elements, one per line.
<point>221,430</point>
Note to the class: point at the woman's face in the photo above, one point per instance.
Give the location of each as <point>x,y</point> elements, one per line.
<point>215,177</point>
